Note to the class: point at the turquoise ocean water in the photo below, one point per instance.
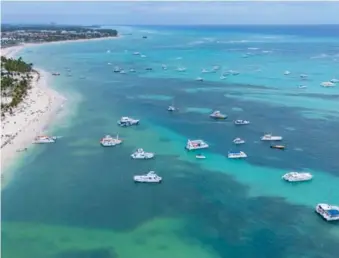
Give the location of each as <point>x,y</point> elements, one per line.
<point>75,199</point>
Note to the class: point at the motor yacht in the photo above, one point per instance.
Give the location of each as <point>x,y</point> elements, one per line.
<point>238,141</point>
<point>45,139</point>
<point>270,137</point>
<point>109,141</point>
<point>297,176</point>
<point>279,147</point>
<point>327,84</point>
<point>199,79</point>
<point>127,121</point>
<point>141,154</point>
<point>241,122</point>
<point>196,145</point>
<point>150,177</point>
<point>200,156</point>
<point>218,115</point>
<point>237,155</point>
<point>328,212</point>
<point>287,72</point>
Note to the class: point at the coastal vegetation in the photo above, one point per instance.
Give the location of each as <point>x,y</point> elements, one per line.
<point>16,34</point>
<point>16,76</point>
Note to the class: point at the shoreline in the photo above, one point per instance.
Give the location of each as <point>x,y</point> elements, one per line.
<point>11,51</point>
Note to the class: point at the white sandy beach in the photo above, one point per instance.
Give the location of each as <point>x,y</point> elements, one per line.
<point>32,115</point>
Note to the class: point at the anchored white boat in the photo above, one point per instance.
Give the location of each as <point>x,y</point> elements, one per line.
<point>171,108</point>
<point>127,121</point>
<point>270,137</point>
<point>196,145</point>
<point>200,156</point>
<point>297,176</point>
<point>238,141</point>
<point>117,69</point>
<point>181,69</point>
<point>327,84</point>
<point>205,71</point>
<point>241,122</point>
<point>141,154</point>
<point>302,87</point>
<point>287,72</point>
<point>232,72</point>
<point>334,80</point>
<point>303,76</point>
<point>122,72</point>
<point>150,177</point>
<point>199,79</point>
<point>218,115</point>
<point>45,139</point>
<point>164,67</point>
<point>328,212</point>
<point>237,155</point>
<point>132,70</point>
<point>109,141</point>
<point>136,53</point>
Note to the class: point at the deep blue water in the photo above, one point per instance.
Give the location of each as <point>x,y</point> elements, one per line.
<point>76,199</point>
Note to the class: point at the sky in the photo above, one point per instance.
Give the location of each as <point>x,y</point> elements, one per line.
<point>169,12</point>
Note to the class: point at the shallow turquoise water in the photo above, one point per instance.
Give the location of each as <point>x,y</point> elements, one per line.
<point>75,199</point>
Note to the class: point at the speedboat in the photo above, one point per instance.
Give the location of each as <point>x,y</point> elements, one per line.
<point>237,155</point>
<point>199,79</point>
<point>287,72</point>
<point>127,121</point>
<point>196,145</point>
<point>238,141</point>
<point>280,147</point>
<point>109,141</point>
<point>327,84</point>
<point>218,115</point>
<point>241,122</point>
<point>200,156</point>
<point>334,80</point>
<point>297,176</point>
<point>328,212</point>
<point>150,177</point>
<point>141,154</point>
<point>270,137</point>
<point>45,139</point>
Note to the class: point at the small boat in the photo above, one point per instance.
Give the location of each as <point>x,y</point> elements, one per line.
<point>164,67</point>
<point>205,71</point>
<point>117,69</point>
<point>287,72</point>
<point>218,115</point>
<point>136,53</point>
<point>270,137</point>
<point>109,63</point>
<point>196,145</point>
<point>171,108</point>
<point>181,69</point>
<point>241,122</point>
<point>131,70</point>
<point>109,141</point>
<point>200,156</point>
<point>45,139</point>
<point>141,154</point>
<point>143,56</point>
<point>297,176</point>
<point>222,77</point>
<point>328,212</point>
<point>149,69</point>
<point>56,74</point>
<point>122,72</point>
<point>302,87</point>
<point>327,84</point>
<point>199,79</point>
<point>237,155</point>
<point>127,121</point>
<point>232,72</point>
<point>108,51</point>
<point>150,177</point>
<point>303,76</point>
<point>280,147</point>
<point>238,141</point>
<point>144,37</point>
<point>334,80</point>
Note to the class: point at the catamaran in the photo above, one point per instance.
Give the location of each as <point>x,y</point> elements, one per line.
<point>150,177</point>
<point>297,176</point>
<point>218,115</point>
<point>109,141</point>
<point>328,212</point>
<point>141,154</point>
<point>237,155</point>
<point>127,121</point>
<point>196,145</point>
<point>270,137</point>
